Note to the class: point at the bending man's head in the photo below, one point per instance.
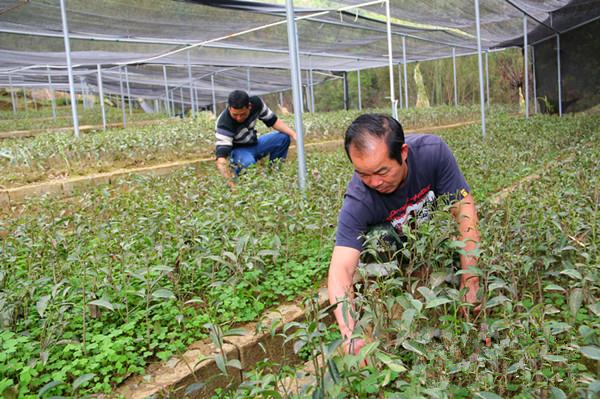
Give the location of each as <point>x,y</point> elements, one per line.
<point>238,105</point>
<point>375,145</point>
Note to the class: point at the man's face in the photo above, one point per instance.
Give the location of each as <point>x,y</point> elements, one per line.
<point>376,169</point>
<point>239,114</point>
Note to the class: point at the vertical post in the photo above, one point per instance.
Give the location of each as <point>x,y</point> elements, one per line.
<point>346,96</point>
<point>281,99</point>
<point>535,103</point>
<point>122,98</point>
<point>248,79</point>
<point>181,99</point>
<point>480,67</point>
<point>390,59</point>
<point>308,103</point>
<point>63,14</point>
<point>454,76</point>
<point>25,99</point>
<point>191,85</point>
<point>359,93</point>
<point>128,91</point>
<point>13,99</point>
<point>296,91</point>
<point>405,72</point>
<point>52,94</point>
<point>101,97</point>
<point>214,98</point>
<point>196,102</point>
<point>312,92</point>
<point>487,78</point>
<point>173,101</point>
<point>558,74</point>
<point>83,97</point>
<point>400,95</point>
<point>526,65</point>
<point>167,105</point>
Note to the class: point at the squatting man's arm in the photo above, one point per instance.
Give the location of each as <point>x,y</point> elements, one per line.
<point>465,214</point>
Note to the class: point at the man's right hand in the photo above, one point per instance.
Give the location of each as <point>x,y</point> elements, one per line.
<point>223,168</point>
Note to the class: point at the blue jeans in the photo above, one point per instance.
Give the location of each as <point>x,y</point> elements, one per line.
<point>275,144</point>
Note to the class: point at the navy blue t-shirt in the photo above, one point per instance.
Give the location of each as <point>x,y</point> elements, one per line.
<point>432,172</point>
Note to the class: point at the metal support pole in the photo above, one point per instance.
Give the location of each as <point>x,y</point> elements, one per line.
<point>63,13</point>
<point>248,79</point>
<point>101,97</point>
<point>25,100</point>
<point>13,98</point>
<point>281,99</point>
<point>191,85</point>
<point>52,94</point>
<point>181,101</point>
<point>558,75</point>
<point>535,103</point>
<point>454,75</point>
<point>122,98</point>
<point>296,91</point>
<point>167,105</point>
<point>196,102</point>
<point>83,97</point>
<point>400,95</point>
<point>346,96</point>
<point>405,72</point>
<point>312,92</point>
<point>526,65</point>
<point>307,87</point>
<point>128,91</point>
<point>390,59</point>
<point>487,78</point>
<point>480,67</point>
<point>214,97</point>
<point>359,93</point>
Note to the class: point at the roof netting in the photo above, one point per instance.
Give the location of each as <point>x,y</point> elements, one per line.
<point>243,44</point>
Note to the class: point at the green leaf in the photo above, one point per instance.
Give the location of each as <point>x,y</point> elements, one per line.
<point>437,302</point>
<point>487,395</point>
<point>235,363</point>
<point>412,347</point>
<point>47,387</point>
<point>590,351</point>
<point>42,305</point>
<point>82,379</point>
<point>575,300</point>
<point>555,358</point>
<point>195,387</point>
<point>557,393</point>
<point>495,301</point>
<point>574,274</point>
<point>554,287</point>
<point>163,293</point>
<point>237,332</point>
<point>102,303</point>
<point>513,368</point>
<point>220,362</point>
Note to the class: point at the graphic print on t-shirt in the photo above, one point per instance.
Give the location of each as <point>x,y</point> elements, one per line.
<point>416,208</point>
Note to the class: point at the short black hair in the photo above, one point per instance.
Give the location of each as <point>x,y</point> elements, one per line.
<point>375,125</point>
<point>238,99</point>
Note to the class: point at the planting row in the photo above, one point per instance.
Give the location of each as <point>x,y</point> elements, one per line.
<point>94,288</point>
<point>50,156</point>
<point>33,120</point>
<point>537,336</point>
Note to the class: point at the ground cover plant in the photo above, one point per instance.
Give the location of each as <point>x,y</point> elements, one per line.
<point>42,119</point>
<point>48,156</point>
<point>539,333</point>
<point>96,287</point>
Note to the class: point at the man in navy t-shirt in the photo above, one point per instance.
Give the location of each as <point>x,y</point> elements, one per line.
<point>236,136</point>
<point>395,180</point>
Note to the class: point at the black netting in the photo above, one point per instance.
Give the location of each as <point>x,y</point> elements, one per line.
<point>579,63</point>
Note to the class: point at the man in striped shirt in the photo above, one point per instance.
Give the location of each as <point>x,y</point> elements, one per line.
<point>236,136</point>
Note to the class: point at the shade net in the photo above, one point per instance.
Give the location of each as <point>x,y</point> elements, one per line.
<point>243,44</point>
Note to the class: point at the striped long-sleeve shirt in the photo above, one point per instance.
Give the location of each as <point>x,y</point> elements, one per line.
<point>230,133</point>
